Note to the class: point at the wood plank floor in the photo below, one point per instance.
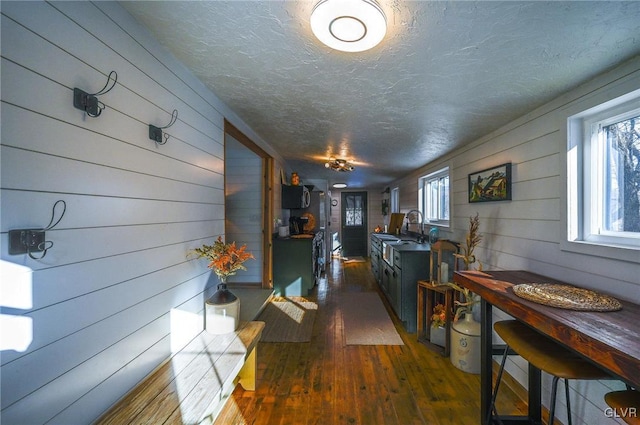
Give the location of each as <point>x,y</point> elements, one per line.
<point>326,382</point>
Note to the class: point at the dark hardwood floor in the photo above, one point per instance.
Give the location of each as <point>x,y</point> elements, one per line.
<point>326,382</point>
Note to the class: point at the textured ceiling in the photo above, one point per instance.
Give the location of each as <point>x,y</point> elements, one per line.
<point>446,73</point>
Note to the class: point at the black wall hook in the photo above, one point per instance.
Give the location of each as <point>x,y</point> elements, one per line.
<point>29,241</point>
<point>89,102</point>
<point>155,133</point>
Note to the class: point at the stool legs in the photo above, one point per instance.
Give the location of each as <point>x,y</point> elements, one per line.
<point>492,406</point>
<point>545,355</point>
<point>554,391</point>
<point>566,392</point>
<point>552,406</point>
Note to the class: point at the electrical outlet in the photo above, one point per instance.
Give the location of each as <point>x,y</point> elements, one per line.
<point>26,240</point>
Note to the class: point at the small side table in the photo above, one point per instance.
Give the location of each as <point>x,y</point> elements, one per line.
<point>426,301</point>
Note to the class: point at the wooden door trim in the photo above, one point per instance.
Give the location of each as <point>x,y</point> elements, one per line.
<point>267,198</point>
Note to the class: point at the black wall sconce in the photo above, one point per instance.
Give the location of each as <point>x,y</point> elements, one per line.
<point>155,133</point>
<point>89,102</point>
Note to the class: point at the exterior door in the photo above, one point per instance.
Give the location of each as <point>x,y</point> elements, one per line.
<point>354,224</point>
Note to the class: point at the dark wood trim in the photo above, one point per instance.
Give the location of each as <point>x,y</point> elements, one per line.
<point>267,214</point>
<point>233,131</point>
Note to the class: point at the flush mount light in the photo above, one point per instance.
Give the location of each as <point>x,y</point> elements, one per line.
<point>349,25</point>
<point>339,185</point>
<point>339,165</point>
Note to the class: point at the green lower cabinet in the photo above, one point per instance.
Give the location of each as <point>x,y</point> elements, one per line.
<point>410,267</point>
<point>293,271</point>
<point>399,282</point>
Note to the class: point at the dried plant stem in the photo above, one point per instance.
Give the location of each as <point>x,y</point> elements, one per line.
<point>473,239</point>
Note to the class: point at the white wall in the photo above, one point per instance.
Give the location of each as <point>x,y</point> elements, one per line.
<point>116,293</point>
<point>526,233</point>
<point>376,218</point>
<point>243,209</point>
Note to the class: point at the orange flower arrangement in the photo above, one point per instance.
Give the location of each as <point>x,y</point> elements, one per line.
<point>439,316</point>
<point>225,258</point>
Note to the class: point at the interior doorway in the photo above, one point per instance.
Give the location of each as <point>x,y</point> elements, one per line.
<point>354,224</point>
<point>248,204</point>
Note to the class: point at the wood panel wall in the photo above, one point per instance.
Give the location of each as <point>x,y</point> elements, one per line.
<point>116,294</point>
<point>527,232</point>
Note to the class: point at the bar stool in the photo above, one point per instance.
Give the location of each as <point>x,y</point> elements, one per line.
<point>626,405</point>
<point>546,355</point>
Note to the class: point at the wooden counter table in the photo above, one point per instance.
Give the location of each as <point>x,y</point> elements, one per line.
<point>610,340</point>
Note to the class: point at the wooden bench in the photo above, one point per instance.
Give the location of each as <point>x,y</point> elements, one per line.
<point>193,385</point>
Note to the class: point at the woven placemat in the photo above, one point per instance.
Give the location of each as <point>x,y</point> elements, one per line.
<point>566,296</point>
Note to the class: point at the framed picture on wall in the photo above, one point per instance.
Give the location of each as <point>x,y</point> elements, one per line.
<point>492,184</point>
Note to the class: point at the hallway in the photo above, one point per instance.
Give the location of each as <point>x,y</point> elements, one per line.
<point>326,382</point>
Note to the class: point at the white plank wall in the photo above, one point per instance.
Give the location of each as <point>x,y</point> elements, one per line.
<point>526,233</point>
<point>243,208</point>
<point>116,293</point>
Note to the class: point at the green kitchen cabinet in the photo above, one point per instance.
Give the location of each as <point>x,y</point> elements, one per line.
<point>409,266</point>
<point>296,265</point>
<point>397,267</point>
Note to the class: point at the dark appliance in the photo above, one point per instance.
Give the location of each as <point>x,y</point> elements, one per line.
<point>296,225</point>
<point>295,197</point>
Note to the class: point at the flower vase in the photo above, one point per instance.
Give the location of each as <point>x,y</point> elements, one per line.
<point>465,344</point>
<point>222,311</point>
<point>437,335</point>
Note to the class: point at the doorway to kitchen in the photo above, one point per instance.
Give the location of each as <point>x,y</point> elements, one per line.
<point>248,203</point>
<point>354,223</point>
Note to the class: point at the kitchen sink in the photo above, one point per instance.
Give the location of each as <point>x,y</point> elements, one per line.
<point>403,242</point>
<point>395,240</point>
<point>386,237</point>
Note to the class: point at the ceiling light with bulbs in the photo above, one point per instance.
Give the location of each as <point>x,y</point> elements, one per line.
<point>339,165</point>
<point>349,25</point>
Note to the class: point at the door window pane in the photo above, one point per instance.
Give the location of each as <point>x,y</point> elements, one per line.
<point>353,210</point>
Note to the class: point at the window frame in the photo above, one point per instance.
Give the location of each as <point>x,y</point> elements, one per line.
<point>423,196</point>
<point>582,164</point>
<point>395,200</point>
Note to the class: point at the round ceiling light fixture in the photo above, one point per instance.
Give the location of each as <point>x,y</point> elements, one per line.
<point>339,165</point>
<point>349,25</point>
<point>339,185</point>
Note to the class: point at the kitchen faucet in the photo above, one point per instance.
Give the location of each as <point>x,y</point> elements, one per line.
<point>421,216</point>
